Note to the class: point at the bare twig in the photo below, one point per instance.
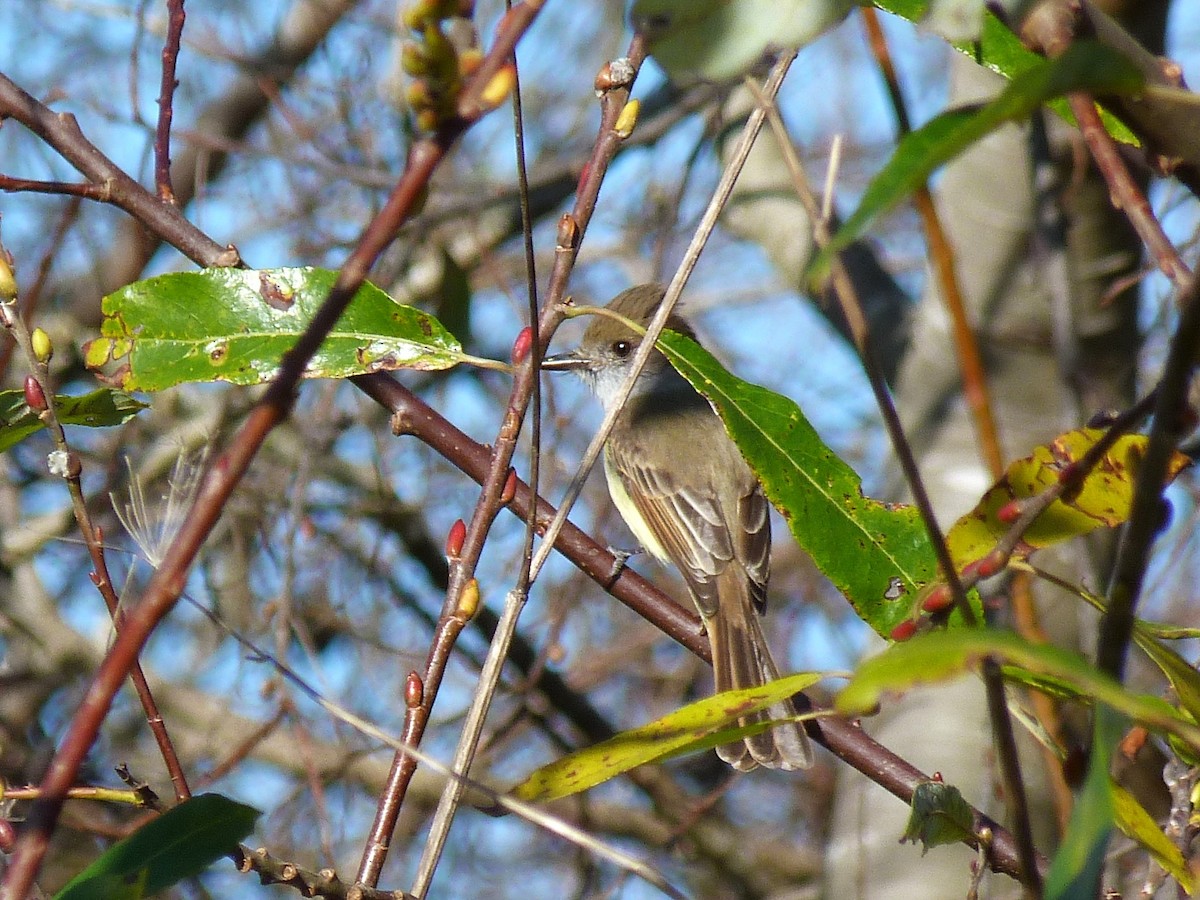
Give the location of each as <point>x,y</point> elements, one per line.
<point>68,464</point>
<point>165,587</point>
<point>166,101</point>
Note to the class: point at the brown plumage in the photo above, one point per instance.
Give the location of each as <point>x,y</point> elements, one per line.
<point>687,494</point>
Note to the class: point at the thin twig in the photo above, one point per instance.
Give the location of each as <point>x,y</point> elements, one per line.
<point>164,589</point>
<point>71,469</point>
<point>166,101</point>
<point>1148,513</point>
<point>846,739</point>
<point>568,244</point>
<point>993,683</point>
<point>1125,193</point>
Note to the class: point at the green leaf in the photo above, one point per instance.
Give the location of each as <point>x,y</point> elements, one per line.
<point>235,325</point>
<point>1104,499</point>
<point>877,554</point>
<point>99,409</point>
<point>1085,66</point>
<point>940,655</point>
<point>1182,675</point>
<point>1138,825</point>
<point>719,39</point>
<point>697,726</point>
<point>998,49</point>
<point>938,815</point>
<point>179,844</point>
<point>1077,867</point>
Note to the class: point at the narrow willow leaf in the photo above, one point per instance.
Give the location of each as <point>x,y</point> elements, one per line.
<point>1086,66</point>
<point>998,49</point>
<point>877,554</point>
<point>179,844</point>
<point>235,325</point>
<point>1138,825</point>
<point>1103,501</point>
<point>99,409</point>
<point>1182,675</point>
<point>938,656</point>
<point>938,815</point>
<point>697,726</point>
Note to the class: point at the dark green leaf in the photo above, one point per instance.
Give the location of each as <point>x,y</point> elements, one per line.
<point>939,815</point>
<point>877,554</point>
<point>454,302</point>
<point>235,325</point>
<point>179,844</point>
<point>95,410</point>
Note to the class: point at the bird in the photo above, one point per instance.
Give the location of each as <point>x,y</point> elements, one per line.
<point>691,500</point>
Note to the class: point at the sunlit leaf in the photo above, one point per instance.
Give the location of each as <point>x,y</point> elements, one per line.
<point>98,409</point>
<point>697,726</point>
<point>940,655</point>
<point>1138,825</point>
<point>235,325</point>
<point>877,554</point>
<point>1104,500</point>
<point>1086,66</point>
<point>938,815</point>
<point>179,844</point>
<point>998,49</point>
<point>719,39</point>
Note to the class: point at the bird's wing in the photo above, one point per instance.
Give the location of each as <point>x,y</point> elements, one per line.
<point>685,518</point>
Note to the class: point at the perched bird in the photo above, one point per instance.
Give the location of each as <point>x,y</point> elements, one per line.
<point>690,498</point>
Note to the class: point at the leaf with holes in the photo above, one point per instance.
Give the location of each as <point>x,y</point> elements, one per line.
<point>877,554</point>
<point>236,324</point>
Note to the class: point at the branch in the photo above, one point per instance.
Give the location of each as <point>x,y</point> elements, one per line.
<point>164,589</point>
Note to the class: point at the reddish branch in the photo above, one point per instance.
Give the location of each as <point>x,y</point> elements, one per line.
<point>844,738</point>
<point>165,587</point>
<point>462,568</point>
<point>166,97</point>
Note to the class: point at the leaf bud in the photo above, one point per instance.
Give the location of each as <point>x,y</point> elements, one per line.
<point>468,601</point>
<point>455,539</point>
<point>522,345</point>
<point>414,691</point>
<point>35,397</point>
<point>43,348</point>
<point>627,119</point>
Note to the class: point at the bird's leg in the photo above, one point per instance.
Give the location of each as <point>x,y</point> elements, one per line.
<point>620,558</point>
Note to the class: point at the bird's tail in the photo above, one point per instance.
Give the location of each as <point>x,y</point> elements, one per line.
<point>741,659</point>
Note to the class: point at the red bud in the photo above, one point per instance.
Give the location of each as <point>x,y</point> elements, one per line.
<point>454,540</point>
<point>991,564</point>
<point>568,230</point>
<point>904,630</point>
<point>522,345</point>
<point>414,691</point>
<point>510,488</point>
<point>35,397</point>
<point>938,598</point>
<point>1009,512</point>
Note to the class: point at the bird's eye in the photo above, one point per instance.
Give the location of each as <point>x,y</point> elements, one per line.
<point>621,349</point>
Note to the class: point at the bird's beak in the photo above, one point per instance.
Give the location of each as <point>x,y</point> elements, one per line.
<point>564,362</point>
